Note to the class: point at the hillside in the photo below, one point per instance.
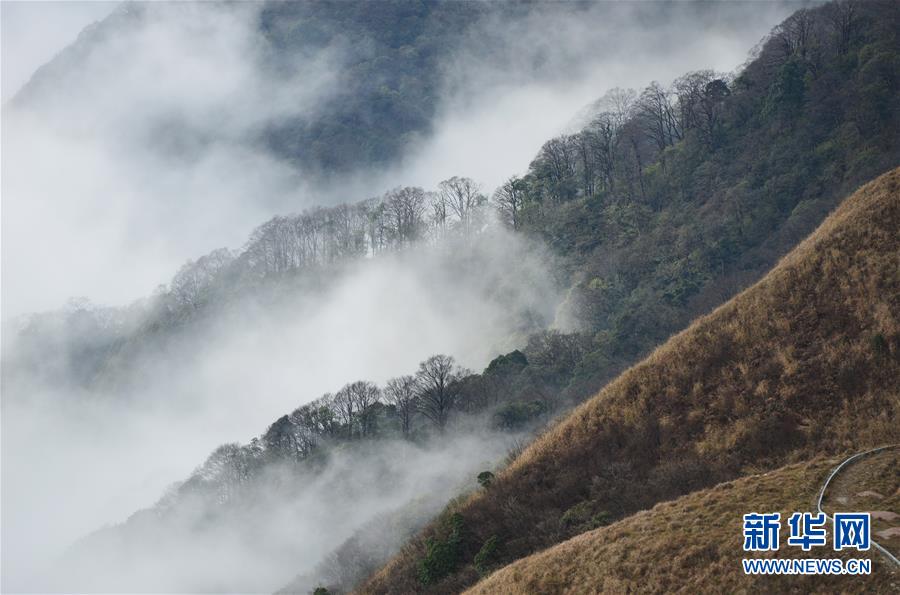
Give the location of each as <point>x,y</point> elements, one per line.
<point>388,58</point>
<point>666,204</point>
<point>390,66</point>
<point>803,363</point>
<point>690,545</point>
<point>674,198</point>
<point>645,235</point>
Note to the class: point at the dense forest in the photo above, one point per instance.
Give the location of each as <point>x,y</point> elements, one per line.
<point>388,86</point>
<point>675,198</point>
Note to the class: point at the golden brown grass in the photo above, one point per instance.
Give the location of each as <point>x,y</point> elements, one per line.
<point>691,545</point>
<point>806,362</point>
<point>871,485</point>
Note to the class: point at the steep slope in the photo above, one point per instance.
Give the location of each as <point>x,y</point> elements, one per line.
<point>691,545</point>
<point>647,238</point>
<point>804,362</point>
<point>657,230</point>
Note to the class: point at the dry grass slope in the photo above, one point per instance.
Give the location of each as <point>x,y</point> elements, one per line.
<point>804,363</point>
<point>691,545</point>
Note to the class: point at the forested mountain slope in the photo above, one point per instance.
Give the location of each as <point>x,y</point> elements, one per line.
<point>665,205</point>
<point>387,57</point>
<point>379,72</point>
<point>691,545</point>
<point>803,363</point>
<point>673,199</point>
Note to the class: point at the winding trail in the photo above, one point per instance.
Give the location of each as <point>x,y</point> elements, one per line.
<point>834,473</point>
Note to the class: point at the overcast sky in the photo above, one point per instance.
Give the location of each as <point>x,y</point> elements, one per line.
<point>33,32</point>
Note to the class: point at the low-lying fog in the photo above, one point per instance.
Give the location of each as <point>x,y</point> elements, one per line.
<point>92,207</point>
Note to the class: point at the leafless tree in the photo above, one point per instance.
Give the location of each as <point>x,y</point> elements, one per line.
<point>842,18</point>
<point>620,104</point>
<point>585,142</point>
<point>463,198</point>
<point>659,116</point>
<point>401,393</point>
<point>604,138</point>
<point>322,236</point>
<point>556,162</point>
<point>364,395</point>
<point>509,199</point>
<point>437,390</point>
<point>194,279</point>
<point>345,406</point>
<point>700,96</point>
<point>439,215</point>
<point>404,209</point>
<point>793,36</point>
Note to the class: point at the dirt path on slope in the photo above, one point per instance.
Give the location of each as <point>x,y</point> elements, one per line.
<point>871,484</point>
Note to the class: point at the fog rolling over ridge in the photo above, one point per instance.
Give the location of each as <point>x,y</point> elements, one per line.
<point>283,525</point>
<point>161,410</point>
<point>150,142</point>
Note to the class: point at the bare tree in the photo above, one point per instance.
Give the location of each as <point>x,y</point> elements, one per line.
<point>633,140</point>
<point>793,37</point>
<point>604,139</point>
<point>509,199</point>
<point>193,280</point>
<point>377,228</point>
<point>364,395</point>
<point>556,163</point>
<point>345,406</point>
<point>315,420</point>
<point>700,96</point>
<point>620,104</point>
<point>585,142</point>
<point>439,214</point>
<point>842,18</point>
<point>659,116</point>
<point>463,198</point>
<point>437,378</point>
<point>401,393</point>
<point>404,209</point>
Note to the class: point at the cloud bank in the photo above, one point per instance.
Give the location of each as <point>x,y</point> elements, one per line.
<point>108,190</point>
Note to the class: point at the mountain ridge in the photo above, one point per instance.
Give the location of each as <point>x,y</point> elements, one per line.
<point>772,376</point>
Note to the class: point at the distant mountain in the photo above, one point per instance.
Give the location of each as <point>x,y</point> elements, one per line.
<point>327,86</point>
<point>802,364</point>
<point>650,226</point>
<point>382,62</point>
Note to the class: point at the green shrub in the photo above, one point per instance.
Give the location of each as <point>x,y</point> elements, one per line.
<point>485,479</point>
<point>486,558</point>
<point>582,517</point>
<point>518,414</point>
<point>879,344</point>
<point>578,515</point>
<point>442,556</point>
<point>601,519</point>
